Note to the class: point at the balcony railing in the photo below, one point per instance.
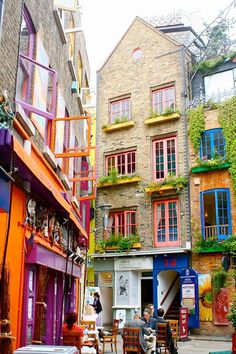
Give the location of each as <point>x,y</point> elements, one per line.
<point>217,97</point>
<point>214,231</point>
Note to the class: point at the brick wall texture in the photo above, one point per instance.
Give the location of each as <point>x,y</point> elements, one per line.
<point>160,64</point>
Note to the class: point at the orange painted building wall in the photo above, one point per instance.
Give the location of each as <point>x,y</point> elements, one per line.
<point>15,259</point>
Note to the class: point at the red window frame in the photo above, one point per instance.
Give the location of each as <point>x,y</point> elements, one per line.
<point>124,162</point>
<point>169,224</point>
<point>123,222</point>
<point>161,99</point>
<point>162,169</point>
<point>120,109</point>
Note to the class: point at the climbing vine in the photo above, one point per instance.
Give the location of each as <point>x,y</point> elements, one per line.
<point>227,119</point>
<point>196,126</point>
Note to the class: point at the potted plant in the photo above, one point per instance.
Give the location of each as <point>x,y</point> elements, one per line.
<point>232,318</point>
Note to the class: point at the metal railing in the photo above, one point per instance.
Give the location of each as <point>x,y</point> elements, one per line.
<point>217,97</point>
<point>214,231</point>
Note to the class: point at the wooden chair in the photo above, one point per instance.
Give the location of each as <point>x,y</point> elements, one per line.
<point>174,326</point>
<point>162,341</point>
<point>110,339</point>
<point>131,341</point>
<point>72,339</point>
<point>91,325</point>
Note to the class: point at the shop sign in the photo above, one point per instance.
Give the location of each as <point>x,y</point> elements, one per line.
<point>134,263</point>
<point>183,323</point>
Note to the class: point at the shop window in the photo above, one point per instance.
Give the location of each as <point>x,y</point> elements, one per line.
<point>163,99</point>
<point>123,223</point>
<point>215,214</point>
<point>220,86</point>
<point>31,305</point>
<point>164,157</point>
<point>166,223</point>
<point>120,110</point>
<point>124,163</point>
<point>212,144</point>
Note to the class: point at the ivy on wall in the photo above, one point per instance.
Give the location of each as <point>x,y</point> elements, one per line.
<point>196,120</point>
<point>227,119</point>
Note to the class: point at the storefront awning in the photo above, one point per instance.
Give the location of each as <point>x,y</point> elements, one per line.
<point>42,256</point>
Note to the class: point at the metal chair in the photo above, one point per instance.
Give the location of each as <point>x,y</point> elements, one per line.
<point>162,340</point>
<point>131,340</point>
<point>110,339</point>
<point>72,339</point>
<point>174,326</point>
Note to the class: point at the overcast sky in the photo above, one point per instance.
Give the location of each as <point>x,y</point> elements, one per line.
<point>105,21</point>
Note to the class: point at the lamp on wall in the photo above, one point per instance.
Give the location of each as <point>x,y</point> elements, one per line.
<point>105,208</point>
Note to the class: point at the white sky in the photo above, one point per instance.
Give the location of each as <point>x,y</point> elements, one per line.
<point>105,21</point>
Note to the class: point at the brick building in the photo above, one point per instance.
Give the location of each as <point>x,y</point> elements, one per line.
<point>213,203</point>
<point>143,170</point>
<point>45,185</point>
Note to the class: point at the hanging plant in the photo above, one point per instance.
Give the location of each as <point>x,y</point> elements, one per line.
<point>196,120</point>
<point>219,278</point>
<point>227,119</point>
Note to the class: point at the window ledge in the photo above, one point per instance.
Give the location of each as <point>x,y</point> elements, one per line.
<point>123,125</point>
<point>59,25</point>
<point>24,120</point>
<point>199,169</point>
<point>121,181</point>
<point>162,118</point>
<point>49,157</point>
<point>162,189</point>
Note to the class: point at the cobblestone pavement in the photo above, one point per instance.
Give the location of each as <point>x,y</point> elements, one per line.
<point>203,345</point>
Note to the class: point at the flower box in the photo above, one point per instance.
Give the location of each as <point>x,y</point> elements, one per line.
<point>161,189</point>
<point>134,179</point>
<point>199,169</point>
<point>114,127</point>
<point>162,118</point>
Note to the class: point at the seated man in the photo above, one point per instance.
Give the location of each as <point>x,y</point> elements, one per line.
<point>150,327</point>
<point>160,319</point>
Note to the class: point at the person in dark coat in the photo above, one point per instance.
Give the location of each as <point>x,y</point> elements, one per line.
<point>160,319</point>
<point>97,307</point>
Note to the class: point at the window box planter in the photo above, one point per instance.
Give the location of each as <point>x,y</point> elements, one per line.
<point>161,189</point>
<point>162,118</point>
<point>114,127</point>
<point>199,169</point>
<point>210,250</point>
<point>134,179</point>
<point>136,245</point>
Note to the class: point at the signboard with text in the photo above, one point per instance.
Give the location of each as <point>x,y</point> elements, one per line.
<point>183,323</point>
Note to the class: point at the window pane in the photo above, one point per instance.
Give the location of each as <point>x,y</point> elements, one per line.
<point>219,144</point>
<point>223,213</point>
<point>206,146</point>
<point>173,226</point>
<point>157,102</point>
<point>159,152</point>
<point>171,157</point>
<point>161,224</point>
<point>170,98</point>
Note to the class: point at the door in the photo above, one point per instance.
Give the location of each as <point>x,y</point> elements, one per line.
<point>146,293</point>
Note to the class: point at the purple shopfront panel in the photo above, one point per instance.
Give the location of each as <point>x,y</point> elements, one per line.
<point>45,257</point>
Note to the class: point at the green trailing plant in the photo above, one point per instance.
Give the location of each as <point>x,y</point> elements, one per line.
<point>121,242</point>
<point>231,316</point>
<point>209,65</point>
<point>227,119</point>
<point>114,177</point>
<point>168,111</point>
<point>117,120</point>
<point>177,182</point>
<point>227,245</point>
<point>196,120</point>
<point>215,162</point>
<point>219,278</point>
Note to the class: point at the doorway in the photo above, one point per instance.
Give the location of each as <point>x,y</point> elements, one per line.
<point>146,292</point>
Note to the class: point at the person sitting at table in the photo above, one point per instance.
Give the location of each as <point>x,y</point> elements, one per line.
<point>70,326</point>
<point>160,319</point>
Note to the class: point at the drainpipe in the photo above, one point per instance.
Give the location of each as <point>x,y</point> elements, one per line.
<point>185,129</point>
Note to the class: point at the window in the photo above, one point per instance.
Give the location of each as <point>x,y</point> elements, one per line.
<point>162,99</point>
<point>166,223</point>
<point>120,110</point>
<point>123,223</point>
<point>212,144</point>
<point>220,86</point>
<point>215,212</point>
<point>124,163</point>
<point>165,157</point>
<point>1,15</point>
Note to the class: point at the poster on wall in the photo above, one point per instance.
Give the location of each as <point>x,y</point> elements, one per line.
<point>220,308</point>
<point>205,297</point>
<point>121,315</point>
<point>188,295</point>
<point>122,288</point>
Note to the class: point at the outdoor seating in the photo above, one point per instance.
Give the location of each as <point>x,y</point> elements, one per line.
<point>90,325</point>
<point>174,326</point>
<point>131,341</point>
<point>110,339</point>
<point>162,341</point>
<point>73,339</point>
